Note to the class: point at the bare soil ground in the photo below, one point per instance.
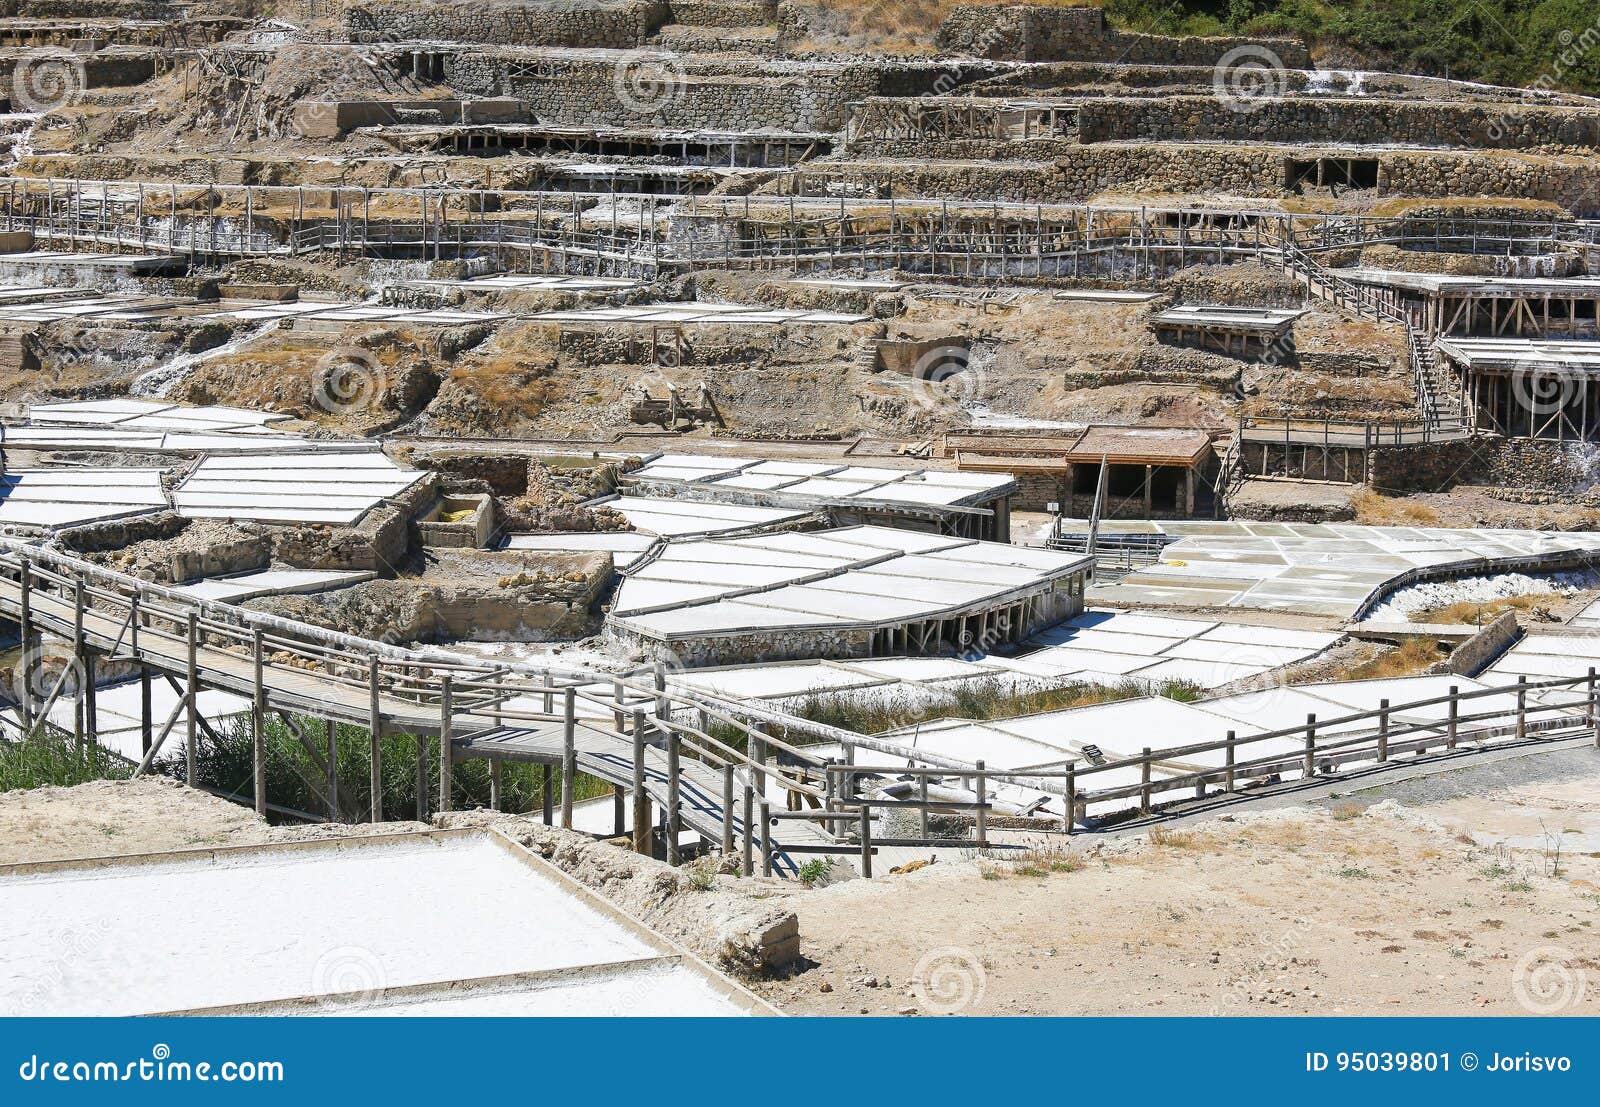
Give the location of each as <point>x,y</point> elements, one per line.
<point>1476,892</point>
<point>124,817</point>
<point>1448,907</point>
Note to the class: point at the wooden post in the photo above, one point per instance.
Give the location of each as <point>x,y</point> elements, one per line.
<point>420,775</point>
<point>145,721</point>
<point>191,691</point>
<point>1522,707</point>
<point>766,838</point>
<point>746,861</point>
<point>922,812</point>
<point>983,803</point>
<point>1455,717</point>
<point>547,794</point>
<point>25,626</point>
<point>334,814</point>
<point>619,811</point>
<point>79,649</point>
<point>1144,782</point>
<point>496,799</point>
<point>663,705</point>
<point>1383,731</point>
<point>91,716</point>
<point>866,841</point>
<point>258,733</point>
<point>1589,707</point>
<point>569,753</point>
<point>447,749</point>
<point>641,802</point>
<point>727,810</point>
<point>674,812</point>
<point>1309,769</point>
<point>375,738</point>
<point>1230,757</point>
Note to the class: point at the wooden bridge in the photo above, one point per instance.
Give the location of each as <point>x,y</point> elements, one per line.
<point>673,756</point>
<point>652,743</point>
<point>582,232</point>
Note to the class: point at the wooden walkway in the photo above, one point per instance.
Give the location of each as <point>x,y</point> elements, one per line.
<point>495,713</point>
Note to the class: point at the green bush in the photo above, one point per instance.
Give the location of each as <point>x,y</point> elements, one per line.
<point>1552,44</point>
<point>296,777</point>
<point>49,757</point>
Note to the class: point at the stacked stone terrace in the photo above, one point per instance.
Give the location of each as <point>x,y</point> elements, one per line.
<point>1147,114</point>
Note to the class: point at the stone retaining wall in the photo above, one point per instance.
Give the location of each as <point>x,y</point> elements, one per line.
<point>1482,650</point>
<point>723,13</point>
<point>1086,171</point>
<point>1312,121</point>
<point>1553,472</point>
<point>1021,33</point>
<point>571,23</point>
<point>656,89</point>
<point>775,645</point>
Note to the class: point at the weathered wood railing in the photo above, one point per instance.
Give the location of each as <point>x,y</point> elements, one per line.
<point>1553,708</point>
<point>940,235</point>
<point>748,750</point>
<point>293,667</point>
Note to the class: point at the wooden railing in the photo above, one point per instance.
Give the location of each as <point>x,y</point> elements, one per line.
<point>1543,710</point>
<point>363,681</point>
<point>371,683</point>
<point>941,236</point>
<point>1364,434</point>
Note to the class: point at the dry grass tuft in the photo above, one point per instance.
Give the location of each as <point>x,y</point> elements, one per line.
<point>1163,838</point>
<point>1412,656</point>
<point>1375,509</point>
<point>1475,613</point>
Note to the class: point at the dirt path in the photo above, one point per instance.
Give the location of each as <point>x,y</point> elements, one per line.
<point>1392,910</point>
<point>122,817</point>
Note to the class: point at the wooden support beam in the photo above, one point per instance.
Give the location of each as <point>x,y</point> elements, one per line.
<point>191,692</point>
<point>569,754</point>
<point>641,801</point>
<point>258,733</point>
<point>375,741</point>
<point>446,744</point>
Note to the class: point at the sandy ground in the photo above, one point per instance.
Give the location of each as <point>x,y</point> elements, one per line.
<point>124,817</point>
<point>1448,904</point>
<point>1444,895</point>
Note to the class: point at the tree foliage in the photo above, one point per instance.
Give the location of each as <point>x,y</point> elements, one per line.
<point>1552,44</point>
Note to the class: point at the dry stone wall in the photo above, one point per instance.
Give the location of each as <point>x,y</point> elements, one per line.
<point>572,23</point>
<point>1021,33</point>
<point>648,89</point>
<point>1314,121</point>
<point>1084,172</point>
